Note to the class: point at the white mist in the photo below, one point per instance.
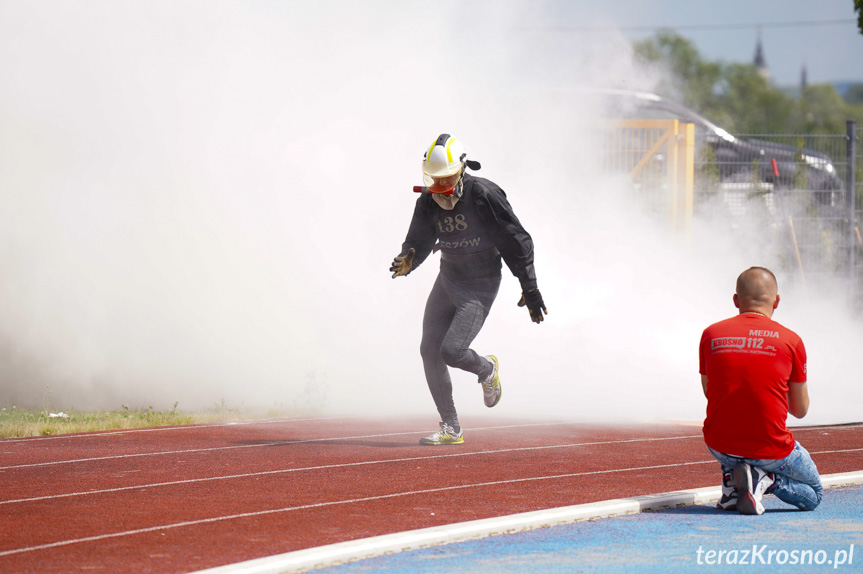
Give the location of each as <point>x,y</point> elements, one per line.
<point>200,202</point>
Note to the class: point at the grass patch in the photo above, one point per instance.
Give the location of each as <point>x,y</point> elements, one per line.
<point>15,422</point>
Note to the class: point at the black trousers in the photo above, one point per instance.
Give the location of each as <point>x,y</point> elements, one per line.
<point>454,314</point>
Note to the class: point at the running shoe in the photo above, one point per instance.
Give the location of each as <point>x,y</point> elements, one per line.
<point>491,388</point>
<point>446,435</point>
<point>751,483</point>
<point>728,501</point>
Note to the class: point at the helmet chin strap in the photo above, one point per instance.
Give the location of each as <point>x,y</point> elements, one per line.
<point>458,190</point>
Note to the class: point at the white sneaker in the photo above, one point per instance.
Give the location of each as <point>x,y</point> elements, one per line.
<point>728,501</point>
<point>446,435</point>
<point>491,388</point>
<point>751,483</point>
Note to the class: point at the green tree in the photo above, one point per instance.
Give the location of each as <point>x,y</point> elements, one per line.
<point>747,103</point>
<point>821,110</point>
<point>854,95</point>
<point>855,112</point>
<point>858,7</point>
<point>691,79</point>
<point>734,96</point>
<point>738,98</point>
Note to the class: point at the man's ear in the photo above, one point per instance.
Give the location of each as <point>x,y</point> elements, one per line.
<point>776,303</point>
<point>736,301</point>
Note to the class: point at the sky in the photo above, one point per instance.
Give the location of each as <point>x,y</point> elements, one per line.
<point>199,202</point>
<point>830,52</point>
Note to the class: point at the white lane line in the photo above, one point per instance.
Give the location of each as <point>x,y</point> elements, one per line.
<point>99,434</point>
<point>835,451</point>
<point>852,480</point>
<point>266,444</point>
<point>321,556</point>
<point>338,465</point>
<point>352,464</point>
<point>208,449</point>
<point>339,502</point>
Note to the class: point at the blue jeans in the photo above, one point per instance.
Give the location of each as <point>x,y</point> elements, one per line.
<point>796,479</point>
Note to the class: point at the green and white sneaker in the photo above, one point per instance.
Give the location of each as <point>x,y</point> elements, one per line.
<point>491,388</point>
<point>446,435</point>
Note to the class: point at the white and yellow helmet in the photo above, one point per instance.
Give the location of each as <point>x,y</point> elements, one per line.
<point>443,164</point>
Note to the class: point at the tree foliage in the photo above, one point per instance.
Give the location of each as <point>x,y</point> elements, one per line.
<point>858,7</point>
<point>821,110</point>
<point>854,95</point>
<point>738,98</point>
<point>750,103</point>
<point>691,76</point>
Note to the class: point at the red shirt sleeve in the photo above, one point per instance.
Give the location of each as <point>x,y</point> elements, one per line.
<point>798,363</point>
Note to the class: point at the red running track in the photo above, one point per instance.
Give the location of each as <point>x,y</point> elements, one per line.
<point>180,499</point>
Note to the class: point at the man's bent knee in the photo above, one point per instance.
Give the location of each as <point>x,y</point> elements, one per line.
<point>810,504</point>
<point>454,356</point>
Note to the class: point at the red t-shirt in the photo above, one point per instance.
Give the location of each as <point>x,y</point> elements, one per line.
<point>749,361</point>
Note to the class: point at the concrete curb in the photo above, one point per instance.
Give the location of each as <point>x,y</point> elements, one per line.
<point>332,554</point>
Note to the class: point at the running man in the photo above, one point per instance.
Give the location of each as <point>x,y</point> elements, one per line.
<point>753,373</point>
<point>469,220</point>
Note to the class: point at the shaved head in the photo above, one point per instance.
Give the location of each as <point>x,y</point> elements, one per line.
<point>757,290</point>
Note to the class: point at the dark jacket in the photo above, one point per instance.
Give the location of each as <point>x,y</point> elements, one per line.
<point>501,226</point>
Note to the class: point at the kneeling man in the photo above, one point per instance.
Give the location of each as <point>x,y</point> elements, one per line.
<point>753,372</point>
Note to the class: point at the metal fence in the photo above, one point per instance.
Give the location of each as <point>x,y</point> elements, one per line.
<point>855,180</point>
<point>786,198</point>
<point>658,156</point>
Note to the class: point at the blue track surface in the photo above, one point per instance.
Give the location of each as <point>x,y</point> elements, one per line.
<point>660,541</point>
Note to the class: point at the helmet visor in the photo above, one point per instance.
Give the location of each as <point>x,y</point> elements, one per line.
<point>442,185</point>
<point>440,177</point>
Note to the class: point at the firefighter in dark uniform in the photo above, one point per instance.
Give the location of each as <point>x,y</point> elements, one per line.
<point>471,222</point>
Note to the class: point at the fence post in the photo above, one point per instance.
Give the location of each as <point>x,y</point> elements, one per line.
<point>686,174</point>
<point>851,205</point>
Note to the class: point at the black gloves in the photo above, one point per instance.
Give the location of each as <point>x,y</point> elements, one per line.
<point>402,263</point>
<point>533,300</point>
